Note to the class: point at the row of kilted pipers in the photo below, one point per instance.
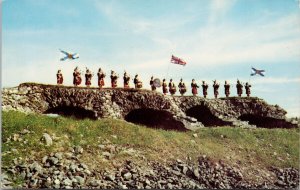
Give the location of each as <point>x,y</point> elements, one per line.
<point>154,83</point>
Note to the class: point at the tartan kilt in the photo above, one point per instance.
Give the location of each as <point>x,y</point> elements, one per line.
<point>227,92</point>
<point>165,90</point>
<point>113,84</point>
<point>194,90</point>
<point>172,90</point>
<point>60,81</point>
<point>78,81</point>
<point>182,90</point>
<point>101,82</point>
<point>88,82</point>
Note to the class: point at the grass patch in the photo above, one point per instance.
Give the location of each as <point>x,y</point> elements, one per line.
<point>257,147</point>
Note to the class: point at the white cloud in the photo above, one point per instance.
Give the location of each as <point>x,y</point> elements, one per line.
<point>214,44</point>
<point>138,24</point>
<point>231,44</point>
<point>209,45</point>
<point>271,80</point>
<point>258,80</point>
<point>294,111</point>
<point>219,8</point>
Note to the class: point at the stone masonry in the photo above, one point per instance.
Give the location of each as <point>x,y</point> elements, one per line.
<point>117,103</point>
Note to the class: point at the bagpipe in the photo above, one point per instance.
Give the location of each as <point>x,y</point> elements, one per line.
<point>215,84</point>
<point>114,77</point>
<point>194,85</point>
<point>59,75</point>
<point>182,86</point>
<point>92,73</point>
<point>101,75</point>
<point>126,78</point>
<point>138,83</point>
<point>78,72</point>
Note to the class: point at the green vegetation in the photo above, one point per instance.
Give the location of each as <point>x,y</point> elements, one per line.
<point>259,148</point>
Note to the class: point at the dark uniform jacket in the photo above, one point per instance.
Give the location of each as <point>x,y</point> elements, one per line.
<point>88,78</point>
<point>227,88</point>
<point>239,88</point>
<point>101,76</point>
<point>216,87</point>
<point>204,87</point>
<point>194,88</point>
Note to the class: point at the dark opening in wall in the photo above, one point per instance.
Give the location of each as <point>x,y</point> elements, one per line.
<point>154,119</point>
<point>266,122</point>
<point>204,115</point>
<point>75,112</point>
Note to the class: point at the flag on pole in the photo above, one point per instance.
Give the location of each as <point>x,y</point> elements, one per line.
<point>258,72</point>
<point>177,60</point>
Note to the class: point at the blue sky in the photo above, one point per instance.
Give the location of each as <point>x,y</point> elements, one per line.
<point>219,39</point>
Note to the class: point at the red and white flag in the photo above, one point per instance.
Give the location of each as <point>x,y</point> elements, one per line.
<point>177,60</point>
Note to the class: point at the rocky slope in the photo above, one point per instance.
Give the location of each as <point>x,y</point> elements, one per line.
<point>65,170</point>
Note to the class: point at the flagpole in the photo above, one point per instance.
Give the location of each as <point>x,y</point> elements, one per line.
<point>249,78</point>
<point>168,71</point>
